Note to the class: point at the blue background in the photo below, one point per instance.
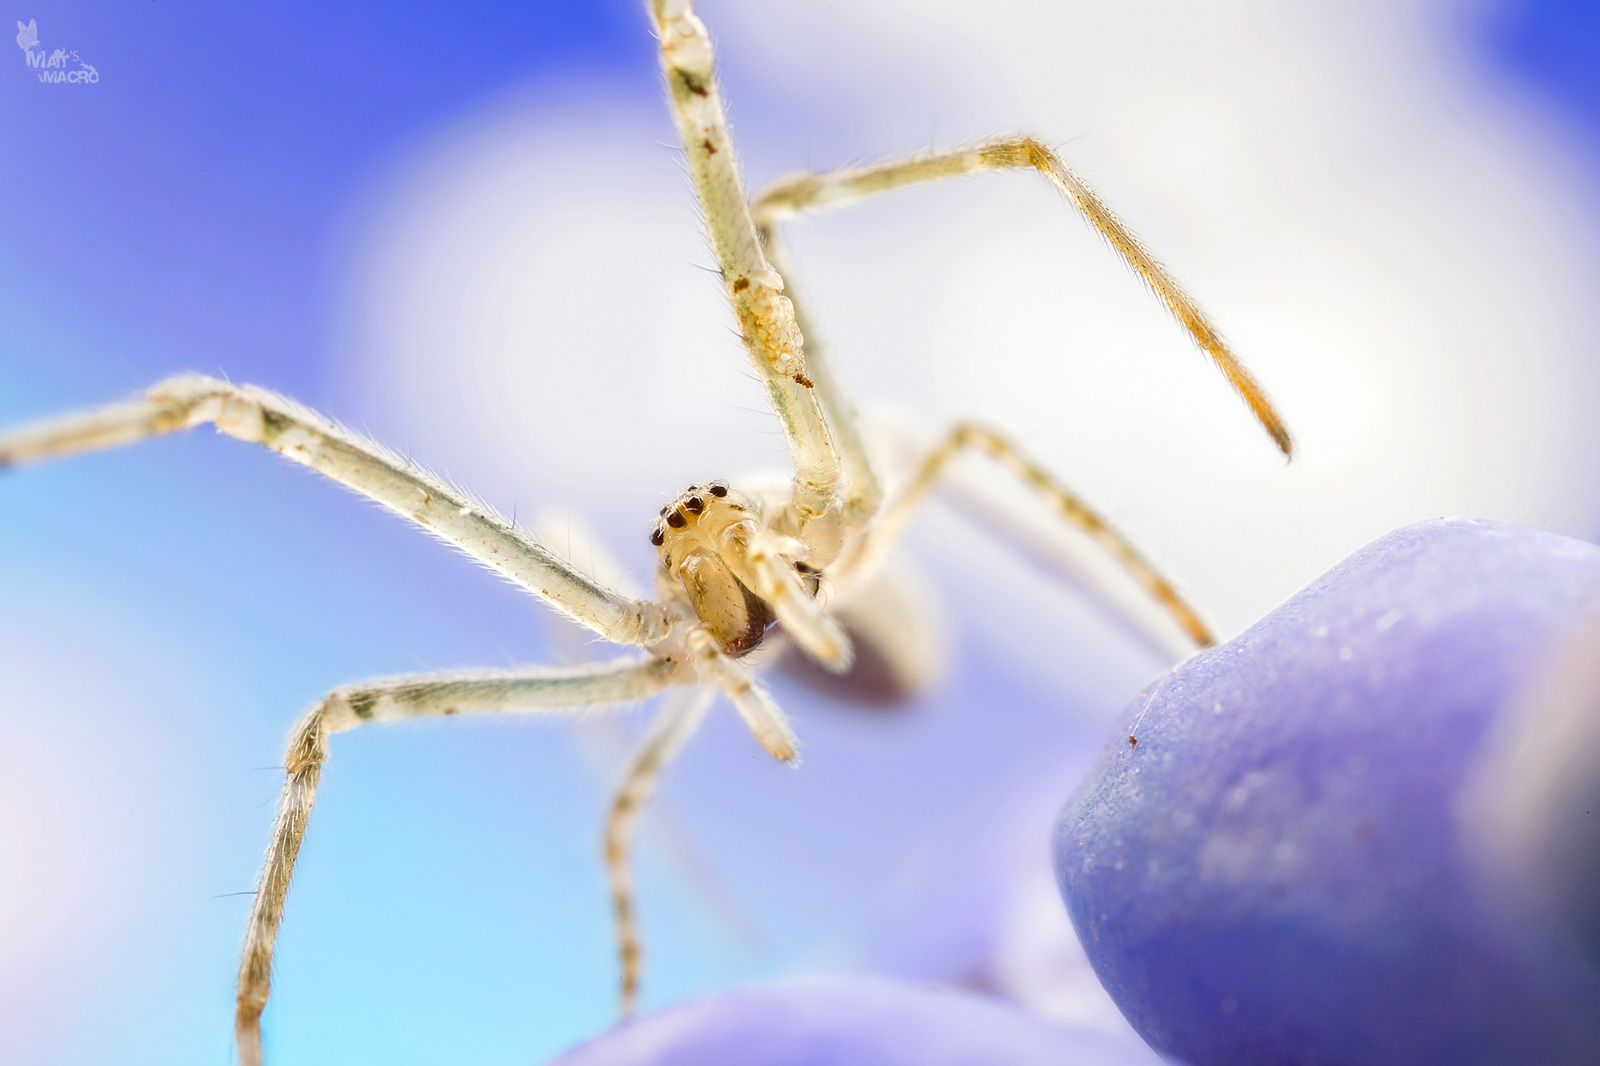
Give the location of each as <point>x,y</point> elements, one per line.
<point>184,213</point>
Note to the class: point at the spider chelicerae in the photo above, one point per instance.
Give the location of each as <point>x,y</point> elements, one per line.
<point>736,565</point>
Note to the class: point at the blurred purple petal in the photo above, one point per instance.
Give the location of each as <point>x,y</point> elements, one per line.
<point>1280,871</point>
<point>1535,808</point>
<point>838,1021</point>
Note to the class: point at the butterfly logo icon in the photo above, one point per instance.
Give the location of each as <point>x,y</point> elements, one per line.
<point>27,36</point>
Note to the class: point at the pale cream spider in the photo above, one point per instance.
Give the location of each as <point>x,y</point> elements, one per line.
<point>733,564</point>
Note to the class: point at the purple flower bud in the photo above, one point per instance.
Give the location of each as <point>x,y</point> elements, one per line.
<point>1294,862</point>
<point>851,1021</point>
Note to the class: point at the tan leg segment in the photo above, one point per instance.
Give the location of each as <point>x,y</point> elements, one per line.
<point>863,492</point>
<point>295,432</point>
<point>804,192</point>
<point>754,704</point>
<point>1066,503</point>
<point>768,568</point>
<point>677,721</point>
<point>766,318</point>
<point>622,681</point>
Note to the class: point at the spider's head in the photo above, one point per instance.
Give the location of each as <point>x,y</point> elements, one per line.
<point>701,539</point>
<point>699,512</point>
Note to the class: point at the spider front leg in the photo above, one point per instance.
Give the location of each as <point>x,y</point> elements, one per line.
<point>805,192</point>
<point>863,492</point>
<point>766,317</point>
<point>395,699</point>
<point>865,553</point>
<point>262,417</point>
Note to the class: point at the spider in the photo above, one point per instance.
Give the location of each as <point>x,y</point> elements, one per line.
<point>736,565</point>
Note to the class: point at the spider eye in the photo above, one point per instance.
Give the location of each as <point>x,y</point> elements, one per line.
<point>719,491</point>
<point>676,520</point>
<point>665,508</point>
<point>657,536</point>
<point>694,505</point>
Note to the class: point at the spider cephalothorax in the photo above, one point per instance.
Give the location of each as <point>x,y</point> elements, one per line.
<point>713,549</point>
<point>703,540</point>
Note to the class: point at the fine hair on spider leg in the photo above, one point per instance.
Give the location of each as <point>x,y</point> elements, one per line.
<point>801,192</point>
<point>732,565</point>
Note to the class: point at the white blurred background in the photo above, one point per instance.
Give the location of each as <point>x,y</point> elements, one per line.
<point>1399,245</point>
